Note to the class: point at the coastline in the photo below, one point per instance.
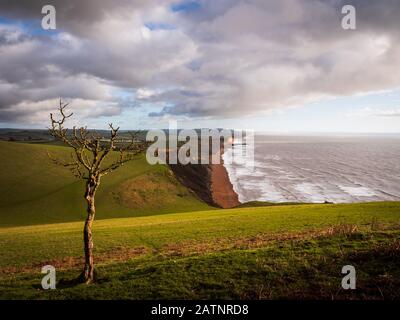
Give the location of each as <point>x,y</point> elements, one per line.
<point>210,182</point>
<point>221,186</point>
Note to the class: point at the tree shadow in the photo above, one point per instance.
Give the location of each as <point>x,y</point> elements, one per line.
<point>65,283</point>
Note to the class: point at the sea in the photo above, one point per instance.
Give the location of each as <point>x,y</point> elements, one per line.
<point>316,169</point>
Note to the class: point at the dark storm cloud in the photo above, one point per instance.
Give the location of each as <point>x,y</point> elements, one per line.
<point>85,11</point>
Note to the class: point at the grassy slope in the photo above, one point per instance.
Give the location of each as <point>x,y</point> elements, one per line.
<point>35,191</point>
<point>264,252</point>
<point>280,251</point>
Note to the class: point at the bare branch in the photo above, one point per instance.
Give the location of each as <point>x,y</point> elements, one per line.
<point>127,154</point>
<point>74,165</point>
<point>57,129</point>
<point>90,148</point>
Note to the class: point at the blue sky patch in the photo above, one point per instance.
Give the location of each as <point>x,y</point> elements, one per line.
<point>185,6</point>
<point>32,27</point>
<point>159,26</point>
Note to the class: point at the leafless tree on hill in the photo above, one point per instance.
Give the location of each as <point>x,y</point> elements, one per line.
<point>89,162</point>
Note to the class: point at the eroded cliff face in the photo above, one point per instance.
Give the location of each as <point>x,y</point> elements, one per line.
<point>210,182</point>
<point>221,187</point>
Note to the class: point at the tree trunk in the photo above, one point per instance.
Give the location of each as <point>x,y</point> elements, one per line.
<point>88,270</point>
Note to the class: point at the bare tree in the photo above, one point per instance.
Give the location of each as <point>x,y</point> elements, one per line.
<point>90,150</point>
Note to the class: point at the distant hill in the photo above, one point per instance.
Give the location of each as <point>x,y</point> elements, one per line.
<point>35,191</point>
<point>42,135</point>
<point>24,135</point>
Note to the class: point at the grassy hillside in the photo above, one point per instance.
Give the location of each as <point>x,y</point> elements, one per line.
<point>256,251</point>
<point>265,252</point>
<point>35,191</point>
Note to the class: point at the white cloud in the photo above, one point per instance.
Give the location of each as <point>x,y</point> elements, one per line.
<point>224,59</point>
<point>376,112</point>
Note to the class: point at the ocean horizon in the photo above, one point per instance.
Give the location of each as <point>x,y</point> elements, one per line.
<point>317,169</point>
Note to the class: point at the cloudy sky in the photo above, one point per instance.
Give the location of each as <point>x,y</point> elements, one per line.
<point>276,66</point>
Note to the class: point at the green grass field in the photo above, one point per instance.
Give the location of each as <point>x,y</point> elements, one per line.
<point>34,190</point>
<point>236,253</point>
<point>256,251</point>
